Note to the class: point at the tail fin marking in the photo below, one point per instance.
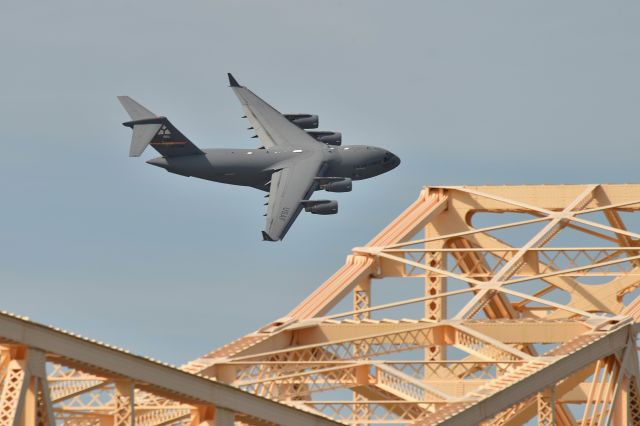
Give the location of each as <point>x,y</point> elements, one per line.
<point>148,128</point>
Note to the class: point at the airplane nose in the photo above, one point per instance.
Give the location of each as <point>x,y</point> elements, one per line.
<point>394,160</point>
<point>160,162</point>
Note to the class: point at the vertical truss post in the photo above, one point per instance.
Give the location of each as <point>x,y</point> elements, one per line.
<point>362,299</point>
<point>626,409</point>
<point>38,408</point>
<point>5,358</point>
<point>634,402</point>
<point>124,403</point>
<point>360,410</point>
<point>25,396</point>
<point>14,389</point>
<point>203,416</point>
<point>434,309</point>
<point>224,417</point>
<point>547,407</point>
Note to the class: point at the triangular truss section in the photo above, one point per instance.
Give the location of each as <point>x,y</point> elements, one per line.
<point>491,305</point>
<point>523,307</point>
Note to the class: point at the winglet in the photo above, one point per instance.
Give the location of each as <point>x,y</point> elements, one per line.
<point>266,237</point>
<point>232,81</point>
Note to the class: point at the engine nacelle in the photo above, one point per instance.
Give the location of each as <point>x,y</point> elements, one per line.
<point>304,121</point>
<point>343,185</point>
<point>330,138</point>
<point>321,206</point>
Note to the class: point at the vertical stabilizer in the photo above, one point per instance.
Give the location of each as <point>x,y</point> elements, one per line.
<point>148,128</point>
<point>134,109</point>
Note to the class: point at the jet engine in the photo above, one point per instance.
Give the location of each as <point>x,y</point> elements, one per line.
<point>343,185</point>
<point>321,206</point>
<point>330,138</point>
<point>304,121</point>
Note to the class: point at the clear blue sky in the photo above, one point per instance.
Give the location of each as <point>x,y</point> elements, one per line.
<point>465,92</point>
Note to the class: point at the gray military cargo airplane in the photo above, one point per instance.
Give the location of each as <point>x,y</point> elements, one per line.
<point>291,164</point>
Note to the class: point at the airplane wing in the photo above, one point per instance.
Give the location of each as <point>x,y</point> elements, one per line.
<point>290,186</point>
<point>273,128</point>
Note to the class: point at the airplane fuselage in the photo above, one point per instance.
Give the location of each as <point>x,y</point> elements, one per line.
<point>254,167</point>
<point>291,164</point>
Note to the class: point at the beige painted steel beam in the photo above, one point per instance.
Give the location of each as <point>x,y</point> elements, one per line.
<point>540,380</point>
<point>314,350</point>
<point>165,380</point>
<point>492,322</point>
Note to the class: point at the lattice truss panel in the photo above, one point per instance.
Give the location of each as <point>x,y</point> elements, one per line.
<point>52,377</point>
<point>36,391</point>
<point>42,388</point>
<point>501,305</point>
<point>495,305</point>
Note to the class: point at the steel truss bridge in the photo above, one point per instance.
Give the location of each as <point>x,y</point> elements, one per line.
<point>478,305</point>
